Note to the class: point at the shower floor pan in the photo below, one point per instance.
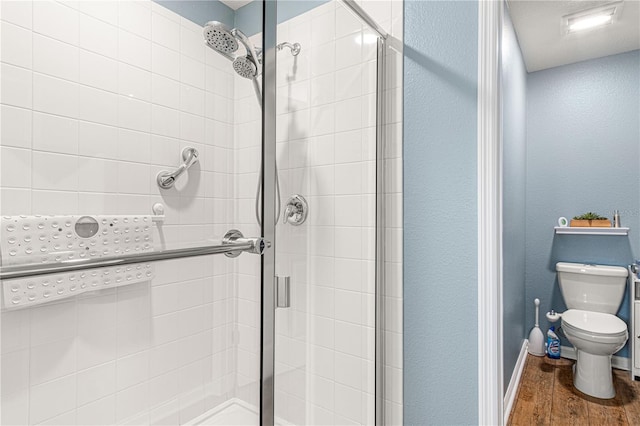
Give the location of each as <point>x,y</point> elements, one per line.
<point>231,413</point>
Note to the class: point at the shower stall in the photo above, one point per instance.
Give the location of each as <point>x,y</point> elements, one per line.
<point>200,208</point>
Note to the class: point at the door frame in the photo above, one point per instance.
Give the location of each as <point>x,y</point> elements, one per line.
<point>267,208</point>
<point>489,145</point>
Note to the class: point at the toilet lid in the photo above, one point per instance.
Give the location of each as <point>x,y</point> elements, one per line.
<point>594,322</point>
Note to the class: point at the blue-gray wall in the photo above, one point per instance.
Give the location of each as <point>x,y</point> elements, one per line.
<point>201,11</point>
<point>514,84</point>
<point>583,147</point>
<point>440,212</point>
<point>248,18</point>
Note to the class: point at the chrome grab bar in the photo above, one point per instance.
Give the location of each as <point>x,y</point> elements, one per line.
<point>166,179</point>
<point>233,244</point>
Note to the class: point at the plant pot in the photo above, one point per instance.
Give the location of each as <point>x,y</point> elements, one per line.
<point>601,223</point>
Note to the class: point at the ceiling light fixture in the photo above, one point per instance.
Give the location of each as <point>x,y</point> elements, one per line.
<point>592,18</point>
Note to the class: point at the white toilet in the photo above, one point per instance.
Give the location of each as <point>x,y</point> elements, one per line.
<point>593,294</point>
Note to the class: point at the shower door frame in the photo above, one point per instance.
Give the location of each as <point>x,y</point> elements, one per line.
<point>267,207</point>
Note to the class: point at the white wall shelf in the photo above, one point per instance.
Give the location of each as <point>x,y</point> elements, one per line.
<point>591,230</point>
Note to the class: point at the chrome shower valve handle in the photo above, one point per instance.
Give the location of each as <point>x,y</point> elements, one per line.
<point>166,179</point>
<point>296,210</point>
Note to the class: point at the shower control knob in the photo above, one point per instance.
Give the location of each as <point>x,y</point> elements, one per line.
<point>296,210</point>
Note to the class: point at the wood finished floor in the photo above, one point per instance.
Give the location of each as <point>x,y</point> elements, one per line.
<point>547,397</point>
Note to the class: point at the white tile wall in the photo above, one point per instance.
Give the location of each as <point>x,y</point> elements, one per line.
<point>88,134</point>
<point>98,97</point>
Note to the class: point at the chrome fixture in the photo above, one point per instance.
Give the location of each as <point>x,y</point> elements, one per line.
<point>283,292</point>
<point>295,47</point>
<point>235,237</point>
<point>232,245</point>
<point>166,179</point>
<point>245,67</point>
<point>250,49</point>
<point>296,210</point>
<point>224,40</point>
<point>219,37</point>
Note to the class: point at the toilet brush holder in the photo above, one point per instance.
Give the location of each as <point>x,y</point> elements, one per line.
<point>536,337</point>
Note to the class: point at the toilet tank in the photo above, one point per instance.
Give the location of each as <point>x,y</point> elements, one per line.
<point>598,288</point>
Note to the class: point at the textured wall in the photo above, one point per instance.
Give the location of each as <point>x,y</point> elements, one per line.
<point>514,86</point>
<point>583,142</point>
<point>440,213</point>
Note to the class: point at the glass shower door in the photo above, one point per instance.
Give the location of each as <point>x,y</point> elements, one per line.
<point>326,138</point>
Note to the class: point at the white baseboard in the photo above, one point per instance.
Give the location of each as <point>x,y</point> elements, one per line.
<point>621,363</point>
<point>512,389</point>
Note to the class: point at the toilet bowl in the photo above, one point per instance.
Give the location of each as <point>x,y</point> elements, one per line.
<point>596,337</point>
<point>593,294</point>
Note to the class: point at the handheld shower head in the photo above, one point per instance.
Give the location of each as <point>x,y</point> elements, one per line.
<point>250,48</point>
<point>245,66</point>
<point>220,37</point>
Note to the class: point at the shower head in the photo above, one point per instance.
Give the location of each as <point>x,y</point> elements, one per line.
<point>226,41</point>
<point>252,54</point>
<point>245,66</point>
<point>220,37</point>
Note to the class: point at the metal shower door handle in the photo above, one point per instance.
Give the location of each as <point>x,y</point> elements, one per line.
<point>259,245</point>
<point>283,292</point>
<point>166,179</point>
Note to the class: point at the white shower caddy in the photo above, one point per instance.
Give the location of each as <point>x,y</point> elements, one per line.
<point>30,240</point>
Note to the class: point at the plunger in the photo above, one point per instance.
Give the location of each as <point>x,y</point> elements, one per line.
<point>536,338</point>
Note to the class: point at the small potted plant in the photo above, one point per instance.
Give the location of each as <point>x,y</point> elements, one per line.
<point>592,220</point>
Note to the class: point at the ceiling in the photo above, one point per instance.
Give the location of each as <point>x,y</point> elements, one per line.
<point>545,44</point>
<point>236,4</point>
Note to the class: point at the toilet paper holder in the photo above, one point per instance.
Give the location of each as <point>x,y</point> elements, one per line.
<point>553,316</point>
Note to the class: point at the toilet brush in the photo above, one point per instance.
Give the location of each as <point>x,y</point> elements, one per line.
<point>536,338</point>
